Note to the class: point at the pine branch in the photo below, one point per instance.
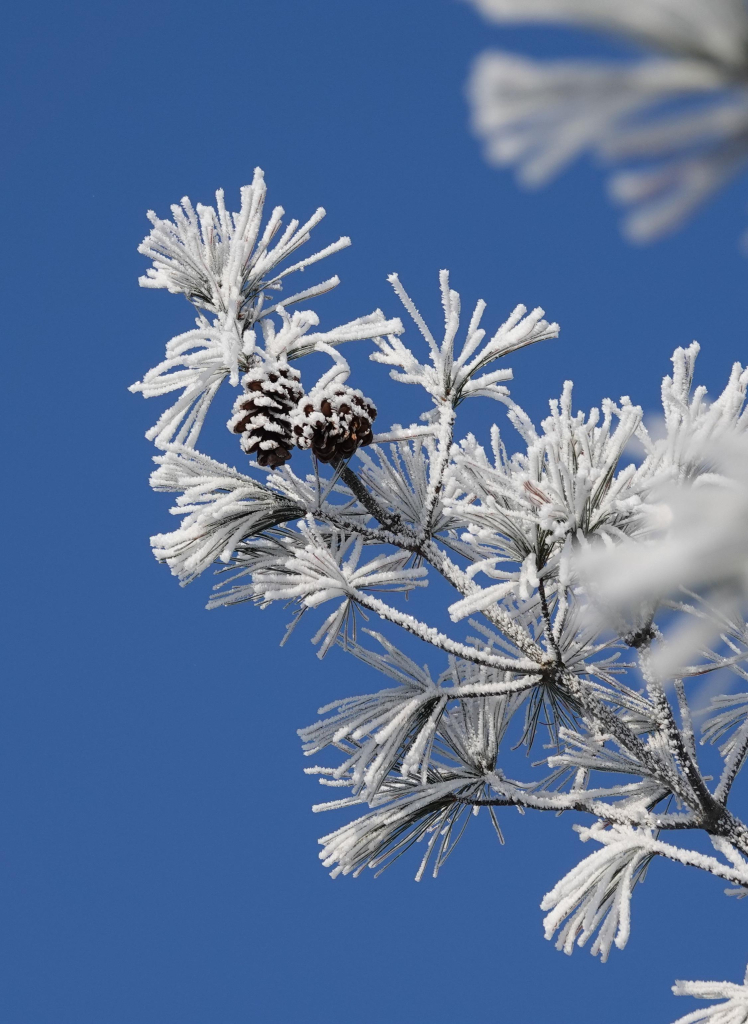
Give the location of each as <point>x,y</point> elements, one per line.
<point>403,537</point>
<point>734,763</point>
<point>432,636</point>
<point>670,730</point>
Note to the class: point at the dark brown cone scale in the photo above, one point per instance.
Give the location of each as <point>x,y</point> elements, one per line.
<point>334,423</point>
<point>262,415</point>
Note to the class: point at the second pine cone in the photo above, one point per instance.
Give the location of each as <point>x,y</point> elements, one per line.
<point>333,422</point>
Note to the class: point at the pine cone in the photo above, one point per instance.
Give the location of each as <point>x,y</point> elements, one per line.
<point>263,415</point>
<point>333,422</point>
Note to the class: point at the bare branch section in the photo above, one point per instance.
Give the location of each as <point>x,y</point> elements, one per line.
<point>555,634</point>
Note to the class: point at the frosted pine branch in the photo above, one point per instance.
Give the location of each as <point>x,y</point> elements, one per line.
<point>558,589</point>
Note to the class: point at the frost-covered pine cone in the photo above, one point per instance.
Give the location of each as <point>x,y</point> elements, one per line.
<point>263,415</point>
<point>333,422</point>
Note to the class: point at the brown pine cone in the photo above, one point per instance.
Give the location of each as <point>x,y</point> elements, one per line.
<point>333,422</point>
<point>263,415</point>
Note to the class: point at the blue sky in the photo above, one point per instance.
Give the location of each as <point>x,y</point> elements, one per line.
<point>158,860</point>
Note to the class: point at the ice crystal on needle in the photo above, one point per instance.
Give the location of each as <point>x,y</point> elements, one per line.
<point>562,558</point>
<point>451,377</point>
<point>733,1010</point>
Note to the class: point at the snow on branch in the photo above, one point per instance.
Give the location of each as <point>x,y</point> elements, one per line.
<point>591,753</point>
<point>733,1009</point>
<point>326,567</point>
<point>197,363</point>
<point>693,484</point>
<point>381,730</point>
<point>401,480</point>
<point>729,715</point>
<point>416,813</point>
<point>434,807</point>
<point>595,896</point>
<point>395,730</point>
<point>692,422</point>
<point>226,264</point>
<point>728,712</point>
<point>524,512</point>
<point>221,507</point>
<point>450,378</point>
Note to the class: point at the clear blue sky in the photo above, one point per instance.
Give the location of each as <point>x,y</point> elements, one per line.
<point>158,860</point>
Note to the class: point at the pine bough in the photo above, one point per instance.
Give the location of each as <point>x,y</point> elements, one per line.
<point>597,588</point>
<point>674,120</point>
